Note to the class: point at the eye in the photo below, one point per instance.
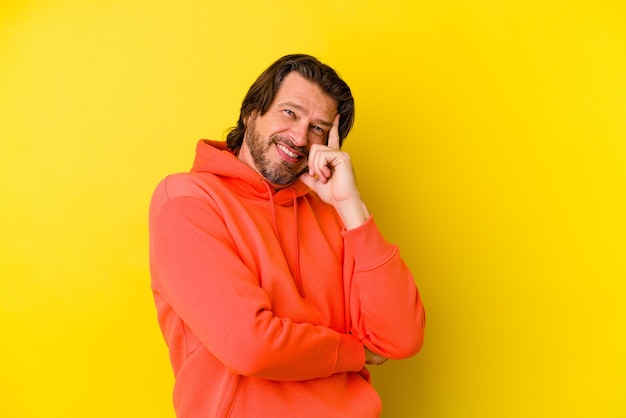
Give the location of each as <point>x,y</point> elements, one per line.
<point>289,112</point>
<point>318,130</point>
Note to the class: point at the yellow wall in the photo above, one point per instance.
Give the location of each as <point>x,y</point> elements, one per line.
<point>490,143</point>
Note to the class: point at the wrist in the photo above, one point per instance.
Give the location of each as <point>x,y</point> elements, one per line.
<point>353,212</point>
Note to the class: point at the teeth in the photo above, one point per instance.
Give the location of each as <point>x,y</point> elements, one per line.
<point>288,151</point>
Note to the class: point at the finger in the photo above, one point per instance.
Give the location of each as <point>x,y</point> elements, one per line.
<point>309,180</point>
<point>311,159</point>
<point>333,135</point>
<point>318,165</point>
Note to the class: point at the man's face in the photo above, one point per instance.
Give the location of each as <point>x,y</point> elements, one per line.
<point>277,144</point>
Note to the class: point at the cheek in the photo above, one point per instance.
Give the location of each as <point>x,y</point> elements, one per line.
<point>316,140</point>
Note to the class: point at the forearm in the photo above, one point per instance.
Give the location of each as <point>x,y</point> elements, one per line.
<point>257,345</point>
<point>278,349</point>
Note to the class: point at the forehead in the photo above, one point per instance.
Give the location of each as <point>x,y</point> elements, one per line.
<point>298,90</point>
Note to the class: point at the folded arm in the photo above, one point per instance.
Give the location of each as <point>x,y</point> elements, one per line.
<point>198,273</point>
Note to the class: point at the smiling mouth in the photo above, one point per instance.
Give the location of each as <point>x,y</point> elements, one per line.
<point>290,154</point>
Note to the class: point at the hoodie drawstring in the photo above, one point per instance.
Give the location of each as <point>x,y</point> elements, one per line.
<point>297,276</point>
<point>297,243</point>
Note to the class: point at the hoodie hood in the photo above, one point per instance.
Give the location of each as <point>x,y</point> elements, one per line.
<point>214,157</point>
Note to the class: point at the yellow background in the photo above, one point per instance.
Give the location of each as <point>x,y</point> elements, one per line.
<point>490,143</point>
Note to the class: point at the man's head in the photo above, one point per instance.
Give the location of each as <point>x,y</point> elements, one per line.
<point>290,107</point>
<point>263,91</point>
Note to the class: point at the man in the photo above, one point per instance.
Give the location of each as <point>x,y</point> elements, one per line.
<point>273,286</point>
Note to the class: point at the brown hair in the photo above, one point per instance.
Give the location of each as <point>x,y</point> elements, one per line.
<point>262,92</point>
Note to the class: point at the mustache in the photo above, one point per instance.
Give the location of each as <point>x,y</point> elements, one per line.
<point>277,139</point>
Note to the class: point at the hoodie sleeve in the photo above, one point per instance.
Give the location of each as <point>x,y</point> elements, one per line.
<point>386,309</point>
<point>200,280</point>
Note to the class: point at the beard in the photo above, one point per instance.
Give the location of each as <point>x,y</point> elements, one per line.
<point>281,173</point>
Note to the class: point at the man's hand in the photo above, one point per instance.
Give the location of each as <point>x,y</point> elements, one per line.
<point>331,176</point>
<point>373,358</point>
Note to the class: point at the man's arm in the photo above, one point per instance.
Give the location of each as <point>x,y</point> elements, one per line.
<point>197,271</point>
<point>385,307</point>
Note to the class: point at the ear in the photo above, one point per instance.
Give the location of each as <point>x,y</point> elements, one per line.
<point>249,117</point>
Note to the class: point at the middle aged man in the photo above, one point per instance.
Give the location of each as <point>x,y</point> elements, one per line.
<point>274,287</point>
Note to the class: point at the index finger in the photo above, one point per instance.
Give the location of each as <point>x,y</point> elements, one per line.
<point>333,135</point>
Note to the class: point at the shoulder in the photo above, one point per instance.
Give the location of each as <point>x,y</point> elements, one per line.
<point>187,185</point>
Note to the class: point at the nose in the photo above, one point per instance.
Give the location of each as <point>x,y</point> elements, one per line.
<point>299,133</point>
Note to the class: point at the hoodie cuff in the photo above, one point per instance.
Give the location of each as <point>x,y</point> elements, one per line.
<point>350,354</point>
<point>368,246</point>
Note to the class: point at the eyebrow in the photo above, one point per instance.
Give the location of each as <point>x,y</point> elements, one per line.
<point>303,110</point>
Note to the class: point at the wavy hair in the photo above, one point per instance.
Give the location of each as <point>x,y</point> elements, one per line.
<point>261,94</point>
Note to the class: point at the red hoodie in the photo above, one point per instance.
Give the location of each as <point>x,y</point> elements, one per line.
<point>266,301</point>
